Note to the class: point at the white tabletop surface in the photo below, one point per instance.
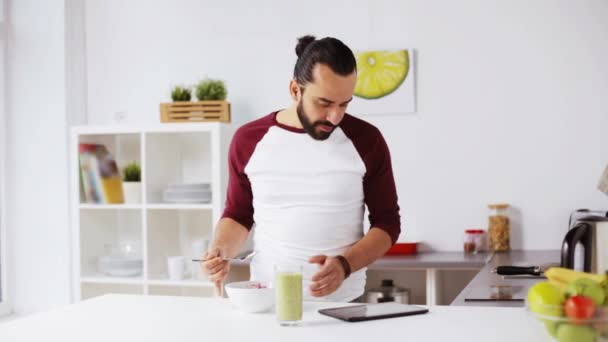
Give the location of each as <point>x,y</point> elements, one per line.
<point>157,318</point>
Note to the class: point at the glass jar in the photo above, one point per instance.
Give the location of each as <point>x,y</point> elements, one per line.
<point>469,241</point>
<point>474,240</point>
<point>499,228</point>
<point>480,240</point>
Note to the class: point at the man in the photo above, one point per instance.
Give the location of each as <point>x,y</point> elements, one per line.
<point>303,176</point>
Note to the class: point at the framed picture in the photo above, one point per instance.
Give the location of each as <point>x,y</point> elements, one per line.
<point>385,82</point>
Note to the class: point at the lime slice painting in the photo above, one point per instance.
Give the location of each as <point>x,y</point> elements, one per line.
<point>384,81</point>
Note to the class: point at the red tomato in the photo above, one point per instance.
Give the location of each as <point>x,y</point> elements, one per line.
<point>579,308</point>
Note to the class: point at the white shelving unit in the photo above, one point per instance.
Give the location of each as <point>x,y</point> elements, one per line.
<point>154,230</point>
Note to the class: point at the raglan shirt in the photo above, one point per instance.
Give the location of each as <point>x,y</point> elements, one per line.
<point>306,197</point>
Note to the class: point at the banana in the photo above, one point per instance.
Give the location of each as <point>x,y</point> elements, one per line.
<point>559,284</point>
<point>567,276</point>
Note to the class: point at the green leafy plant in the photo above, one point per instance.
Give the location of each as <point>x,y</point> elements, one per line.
<point>211,90</point>
<point>132,172</point>
<point>181,93</point>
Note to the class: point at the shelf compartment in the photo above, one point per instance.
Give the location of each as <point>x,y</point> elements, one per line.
<point>108,231</point>
<point>177,233</point>
<point>176,158</point>
<point>125,148</point>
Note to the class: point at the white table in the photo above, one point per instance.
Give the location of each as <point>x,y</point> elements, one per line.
<point>155,318</point>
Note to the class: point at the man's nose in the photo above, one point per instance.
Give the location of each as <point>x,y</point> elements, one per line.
<point>334,116</point>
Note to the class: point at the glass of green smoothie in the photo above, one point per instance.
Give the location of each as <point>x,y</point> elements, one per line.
<point>288,292</point>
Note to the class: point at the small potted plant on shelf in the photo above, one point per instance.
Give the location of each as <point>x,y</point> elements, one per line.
<point>211,104</point>
<point>181,93</point>
<point>131,185</point>
<point>211,90</point>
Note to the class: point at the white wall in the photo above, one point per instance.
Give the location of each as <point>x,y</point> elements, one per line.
<point>5,305</point>
<point>512,101</point>
<point>37,198</point>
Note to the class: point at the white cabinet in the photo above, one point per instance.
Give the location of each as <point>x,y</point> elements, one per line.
<point>154,229</point>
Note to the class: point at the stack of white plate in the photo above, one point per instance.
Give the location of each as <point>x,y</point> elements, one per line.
<point>120,266</point>
<point>188,193</point>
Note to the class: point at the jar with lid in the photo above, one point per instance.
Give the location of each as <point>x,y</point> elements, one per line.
<point>474,240</point>
<point>499,228</point>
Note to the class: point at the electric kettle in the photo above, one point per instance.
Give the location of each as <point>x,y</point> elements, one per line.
<point>592,233</point>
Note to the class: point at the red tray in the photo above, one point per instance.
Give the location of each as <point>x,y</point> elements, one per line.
<point>403,248</point>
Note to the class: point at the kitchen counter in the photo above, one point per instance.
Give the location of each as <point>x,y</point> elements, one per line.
<point>157,318</point>
<point>485,277</point>
<point>440,260</point>
<point>433,262</point>
<point>430,262</point>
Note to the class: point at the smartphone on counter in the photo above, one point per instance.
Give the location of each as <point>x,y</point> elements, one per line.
<point>368,312</point>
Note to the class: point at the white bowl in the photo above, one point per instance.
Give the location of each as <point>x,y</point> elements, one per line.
<point>250,296</point>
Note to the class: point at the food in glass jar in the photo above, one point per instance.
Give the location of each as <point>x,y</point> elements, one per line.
<point>469,241</point>
<point>473,240</point>
<point>499,228</point>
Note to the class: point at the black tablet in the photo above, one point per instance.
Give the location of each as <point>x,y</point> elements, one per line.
<point>368,312</point>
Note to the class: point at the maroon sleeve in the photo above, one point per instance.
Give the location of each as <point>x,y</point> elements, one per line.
<point>239,197</point>
<point>378,182</point>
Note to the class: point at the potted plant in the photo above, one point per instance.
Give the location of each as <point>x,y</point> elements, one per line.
<point>211,90</point>
<point>181,93</point>
<point>211,104</point>
<point>131,185</point>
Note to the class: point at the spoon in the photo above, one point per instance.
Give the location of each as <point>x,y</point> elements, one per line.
<point>245,258</point>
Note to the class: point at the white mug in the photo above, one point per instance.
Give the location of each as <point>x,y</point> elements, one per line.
<point>175,265</point>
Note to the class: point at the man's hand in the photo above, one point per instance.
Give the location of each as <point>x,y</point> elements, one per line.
<point>329,278</point>
<point>216,267</point>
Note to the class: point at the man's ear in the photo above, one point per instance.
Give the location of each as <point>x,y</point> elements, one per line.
<point>294,90</point>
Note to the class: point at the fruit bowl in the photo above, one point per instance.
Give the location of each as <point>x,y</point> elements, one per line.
<point>582,323</point>
<point>572,305</point>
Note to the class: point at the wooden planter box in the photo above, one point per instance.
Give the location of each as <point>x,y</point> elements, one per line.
<point>205,111</point>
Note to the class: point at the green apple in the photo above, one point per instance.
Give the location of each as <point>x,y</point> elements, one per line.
<point>588,288</point>
<point>546,299</point>
<point>576,333</point>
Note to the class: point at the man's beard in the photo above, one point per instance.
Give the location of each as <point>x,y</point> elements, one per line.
<point>310,127</point>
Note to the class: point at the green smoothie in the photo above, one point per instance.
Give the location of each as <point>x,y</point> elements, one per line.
<point>288,289</point>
